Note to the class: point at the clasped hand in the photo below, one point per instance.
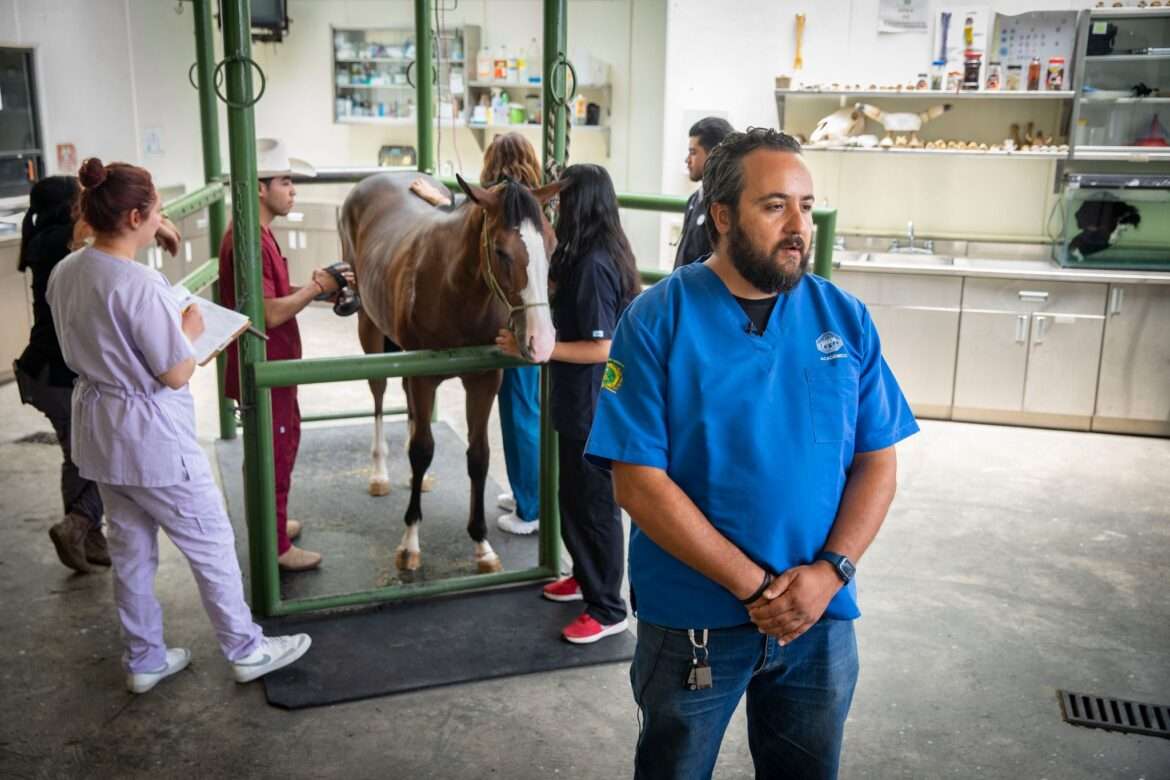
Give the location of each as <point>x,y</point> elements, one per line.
<point>794,601</point>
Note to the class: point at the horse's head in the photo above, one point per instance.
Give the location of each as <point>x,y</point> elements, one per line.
<point>516,244</point>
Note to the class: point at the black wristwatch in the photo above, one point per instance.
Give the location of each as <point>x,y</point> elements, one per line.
<point>841,564</point>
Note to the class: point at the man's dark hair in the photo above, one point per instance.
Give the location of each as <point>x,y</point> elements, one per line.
<point>710,130</point>
<point>723,174</point>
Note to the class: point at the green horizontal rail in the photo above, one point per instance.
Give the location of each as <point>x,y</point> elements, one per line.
<point>641,201</point>
<point>286,373</point>
<point>201,277</point>
<point>353,415</point>
<point>652,275</point>
<point>192,202</point>
<point>413,591</point>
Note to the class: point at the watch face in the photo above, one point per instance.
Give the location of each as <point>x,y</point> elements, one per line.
<point>847,568</point>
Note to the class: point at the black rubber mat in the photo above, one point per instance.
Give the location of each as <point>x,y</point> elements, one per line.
<point>358,533</point>
<point>411,645</point>
<point>1102,712</point>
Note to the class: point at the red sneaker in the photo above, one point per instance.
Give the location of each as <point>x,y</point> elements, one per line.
<point>585,629</point>
<point>565,589</point>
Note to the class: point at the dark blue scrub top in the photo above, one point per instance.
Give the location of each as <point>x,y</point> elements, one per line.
<point>759,430</point>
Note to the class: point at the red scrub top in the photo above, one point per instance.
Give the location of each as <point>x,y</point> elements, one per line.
<point>284,341</point>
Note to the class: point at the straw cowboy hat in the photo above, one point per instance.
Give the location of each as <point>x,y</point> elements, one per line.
<point>272,160</point>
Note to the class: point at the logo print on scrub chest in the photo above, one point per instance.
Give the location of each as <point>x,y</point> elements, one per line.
<point>829,342</point>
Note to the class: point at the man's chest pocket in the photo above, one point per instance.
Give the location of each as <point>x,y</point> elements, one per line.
<point>832,397</point>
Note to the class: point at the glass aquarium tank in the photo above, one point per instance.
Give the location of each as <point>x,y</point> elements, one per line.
<point>1115,221</point>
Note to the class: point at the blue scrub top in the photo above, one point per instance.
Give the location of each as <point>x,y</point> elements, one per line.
<point>759,430</point>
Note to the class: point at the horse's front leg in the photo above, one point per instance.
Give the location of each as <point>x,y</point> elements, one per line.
<point>372,343</point>
<point>420,396</point>
<point>481,390</point>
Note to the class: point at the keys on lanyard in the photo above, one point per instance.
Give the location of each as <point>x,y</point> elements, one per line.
<point>699,676</point>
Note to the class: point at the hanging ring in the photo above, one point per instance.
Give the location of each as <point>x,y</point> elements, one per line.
<point>563,100</point>
<point>410,81</point>
<point>191,76</point>
<point>219,80</point>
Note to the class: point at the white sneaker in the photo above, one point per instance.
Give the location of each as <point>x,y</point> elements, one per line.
<point>512,523</point>
<point>177,660</point>
<point>506,501</point>
<point>274,652</point>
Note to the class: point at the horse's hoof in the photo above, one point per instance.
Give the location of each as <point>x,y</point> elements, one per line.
<point>489,564</point>
<point>407,560</point>
<point>379,486</point>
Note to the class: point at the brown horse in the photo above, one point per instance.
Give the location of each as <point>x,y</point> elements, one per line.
<point>431,279</point>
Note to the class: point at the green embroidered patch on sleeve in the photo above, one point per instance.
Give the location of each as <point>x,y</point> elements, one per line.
<point>613,376</point>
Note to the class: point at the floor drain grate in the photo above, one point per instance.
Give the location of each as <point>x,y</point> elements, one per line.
<point>1099,712</point>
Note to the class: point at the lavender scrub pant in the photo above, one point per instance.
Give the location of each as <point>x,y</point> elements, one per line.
<point>192,515</point>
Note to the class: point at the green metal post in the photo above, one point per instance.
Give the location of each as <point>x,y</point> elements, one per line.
<point>424,75</point>
<point>826,222</point>
<point>259,479</point>
<point>554,79</point>
<point>212,169</point>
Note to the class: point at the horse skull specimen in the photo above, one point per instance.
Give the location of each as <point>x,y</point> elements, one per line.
<point>838,126</point>
<point>902,122</point>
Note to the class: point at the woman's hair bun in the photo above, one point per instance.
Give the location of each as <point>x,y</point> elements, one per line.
<point>92,173</point>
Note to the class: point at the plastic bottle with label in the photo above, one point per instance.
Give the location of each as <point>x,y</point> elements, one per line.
<point>534,63</point>
<point>483,65</point>
<point>500,64</point>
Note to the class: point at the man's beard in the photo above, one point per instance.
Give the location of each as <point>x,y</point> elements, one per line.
<point>766,272</point>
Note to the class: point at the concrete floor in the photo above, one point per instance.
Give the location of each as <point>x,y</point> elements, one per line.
<point>1014,562</point>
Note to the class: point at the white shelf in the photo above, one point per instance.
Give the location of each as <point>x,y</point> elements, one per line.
<point>506,84</point>
<point>573,129</point>
<point>932,94</point>
<point>1111,101</point>
<point>1138,154</point>
<point>376,120</point>
<point>1129,13</point>
<point>394,87</point>
<point>390,59</point>
<point>1106,58</point>
<point>940,152</point>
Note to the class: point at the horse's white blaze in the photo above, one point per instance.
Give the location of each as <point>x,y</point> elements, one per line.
<point>381,471</point>
<point>537,319</point>
<point>410,539</point>
<point>484,551</point>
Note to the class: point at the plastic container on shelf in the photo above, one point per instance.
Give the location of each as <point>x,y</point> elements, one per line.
<point>972,61</point>
<point>534,63</point>
<point>500,64</point>
<point>938,74</point>
<point>1014,78</point>
<point>484,63</point>
<point>994,80</point>
<point>1034,74</point>
<point>1054,78</point>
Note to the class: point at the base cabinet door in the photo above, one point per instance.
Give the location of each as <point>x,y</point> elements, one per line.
<point>1062,364</point>
<point>992,362</point>
<point>1133,394</point>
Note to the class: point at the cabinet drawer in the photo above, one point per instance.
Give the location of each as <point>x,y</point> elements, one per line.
<point>1026,296</point>
<point>888,289</point>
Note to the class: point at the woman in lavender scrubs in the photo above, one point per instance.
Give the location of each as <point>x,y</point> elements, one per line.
<point>121,331</point>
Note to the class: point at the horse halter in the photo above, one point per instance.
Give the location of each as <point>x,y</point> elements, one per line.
<point>493,284</point>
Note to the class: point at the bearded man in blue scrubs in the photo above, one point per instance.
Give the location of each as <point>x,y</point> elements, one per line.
<point>750,421</point>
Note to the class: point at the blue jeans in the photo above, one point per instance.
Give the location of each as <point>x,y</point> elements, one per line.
<point>520,427</point>
<point>797,700</point>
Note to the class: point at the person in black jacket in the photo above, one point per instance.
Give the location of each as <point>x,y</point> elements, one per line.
<point>693,243</point>
<point>50,231</point>
<point>593,278</point>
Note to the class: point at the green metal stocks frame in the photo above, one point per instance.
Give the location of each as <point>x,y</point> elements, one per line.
<point>259,375</point>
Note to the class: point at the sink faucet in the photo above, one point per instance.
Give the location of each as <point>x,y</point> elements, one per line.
<point>911,248</point>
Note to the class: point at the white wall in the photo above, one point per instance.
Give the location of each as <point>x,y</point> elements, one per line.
<point>716,61</point>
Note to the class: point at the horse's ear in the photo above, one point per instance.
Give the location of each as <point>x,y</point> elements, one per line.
<point>549,191</point>
<point>478,195</point>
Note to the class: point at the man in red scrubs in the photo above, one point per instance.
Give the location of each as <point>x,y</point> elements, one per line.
<point>282,302</point>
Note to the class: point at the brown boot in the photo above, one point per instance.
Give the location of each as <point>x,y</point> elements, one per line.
<point>296,559</point>
<point>96,550</point>
<point>69,538</point>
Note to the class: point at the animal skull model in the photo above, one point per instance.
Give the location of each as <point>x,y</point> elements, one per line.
<point>899,124</point>
<point>838,126</point>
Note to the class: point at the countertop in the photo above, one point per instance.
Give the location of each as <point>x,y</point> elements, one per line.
<point>1040,270</point>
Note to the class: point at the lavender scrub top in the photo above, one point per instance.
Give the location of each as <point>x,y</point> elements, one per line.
<point>119,328</point>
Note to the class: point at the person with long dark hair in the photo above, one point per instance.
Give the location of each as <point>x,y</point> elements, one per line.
<point>50,231</point>
<point>122,332</point>
<point>593,278</point>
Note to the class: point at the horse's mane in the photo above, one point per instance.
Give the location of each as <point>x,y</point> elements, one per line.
<point>519,204</point>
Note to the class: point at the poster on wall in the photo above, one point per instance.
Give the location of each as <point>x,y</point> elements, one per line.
<point>902,16</point>
<point>67,158</point>
<point>1042,35</point>
<point>957,30</point>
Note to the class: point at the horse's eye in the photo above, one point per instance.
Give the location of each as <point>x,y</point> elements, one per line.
<point>504,256</point>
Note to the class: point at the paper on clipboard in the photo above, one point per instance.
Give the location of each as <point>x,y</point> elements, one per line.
<point>221,326</point>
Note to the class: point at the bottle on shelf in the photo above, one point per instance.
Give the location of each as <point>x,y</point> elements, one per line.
<point>534,63</point>
<point>580,104</point>
<point>513,68</point>
<point>484,64</point>
<point>500,64</point>
<point>1034,74</point>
